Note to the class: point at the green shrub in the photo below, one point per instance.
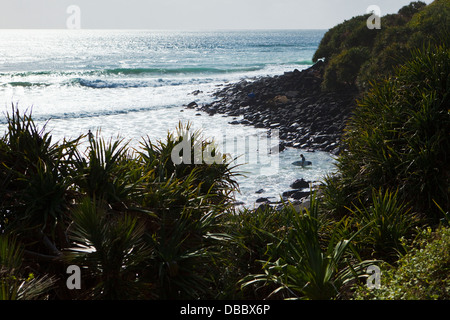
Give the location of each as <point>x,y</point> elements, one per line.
<point>137,225</point>
<point>157,233</point>
<point>414,26</point>
<point>388,220</point>
<point>16,282</point>
<point>215,179</point>
<point>411,9</point>
<point>36,180</point>
<point>309,262</point>
<point>335,195</point>
<point>432,24</point>
<point>382,65</point>
<point>342,70</point>
<point>422,274</point>
<point>351,33</point>
<point>111,250</point>
<point>398,136</point>
<point>251,231</point>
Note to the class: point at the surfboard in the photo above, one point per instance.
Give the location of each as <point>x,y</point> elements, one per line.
<point>302,164</point>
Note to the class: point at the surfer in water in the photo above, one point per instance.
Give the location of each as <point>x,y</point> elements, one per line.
<point>303,162</point>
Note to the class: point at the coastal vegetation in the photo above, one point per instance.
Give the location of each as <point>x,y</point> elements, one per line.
<point>357,55</point>
<point>141,227</point>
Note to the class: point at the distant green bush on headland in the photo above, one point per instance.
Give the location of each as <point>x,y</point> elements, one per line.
<point>356,55</point>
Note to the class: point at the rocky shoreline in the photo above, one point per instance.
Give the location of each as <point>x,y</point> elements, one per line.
<point>294,103</point>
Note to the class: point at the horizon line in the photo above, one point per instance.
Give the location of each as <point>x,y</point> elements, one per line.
<point>170,29</point>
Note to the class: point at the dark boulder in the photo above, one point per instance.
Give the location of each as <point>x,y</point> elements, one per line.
<point>295,194</point>
<point>300,184</point>
<point>192,105</point>
<point>294,103</point>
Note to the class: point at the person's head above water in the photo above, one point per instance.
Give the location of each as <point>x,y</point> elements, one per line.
<point>301,156</point>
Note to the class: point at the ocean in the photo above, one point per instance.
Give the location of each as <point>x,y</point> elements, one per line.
<point>135,83</point>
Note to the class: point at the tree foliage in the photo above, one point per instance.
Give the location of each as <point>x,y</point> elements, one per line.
<point>398,136</point>
<point>137,225</point>
<point>414,26</point>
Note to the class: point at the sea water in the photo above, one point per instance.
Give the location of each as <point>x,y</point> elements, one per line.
<point>135,83</point>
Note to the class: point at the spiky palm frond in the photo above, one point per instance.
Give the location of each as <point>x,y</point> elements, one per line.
<point>110,246</point>
<point>300,266</point>
<point>15,283</point>
<point>398,136</point>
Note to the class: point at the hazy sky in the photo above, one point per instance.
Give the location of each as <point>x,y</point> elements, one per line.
<point>189,14</point>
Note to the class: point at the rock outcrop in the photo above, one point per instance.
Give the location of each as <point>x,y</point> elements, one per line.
<point>294,103</point>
